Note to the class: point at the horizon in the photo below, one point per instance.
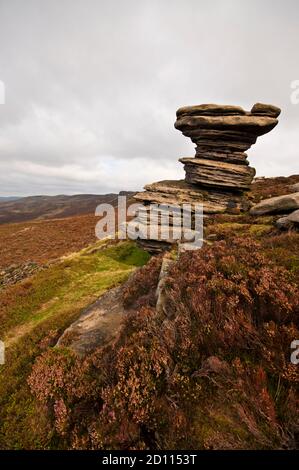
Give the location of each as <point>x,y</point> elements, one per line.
<point>116,192</point>
<point>83,114</point>
<point>61,194</point>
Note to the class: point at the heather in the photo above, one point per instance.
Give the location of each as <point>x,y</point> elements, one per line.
<point>35,312</point>
<point>201,361</point>
<point>214,372</point>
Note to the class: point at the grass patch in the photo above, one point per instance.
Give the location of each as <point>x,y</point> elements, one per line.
<point>260,229</point>
<point>65,283</point>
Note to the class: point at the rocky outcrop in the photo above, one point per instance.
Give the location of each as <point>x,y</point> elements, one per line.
<point>176,192</point>
<point>97,325</point>
<point>265,110</point>
<point>276,205</point>
<point>289,221</point>
<point>294,188</point>
<point>101,322</point>
<point>16,273</point>
<point>219,174</point>
<point>222,135</point>
<point>161,293</point>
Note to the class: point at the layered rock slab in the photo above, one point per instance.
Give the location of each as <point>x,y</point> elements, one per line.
<point>177,192</point>
<point>289,221</point>
<point>223,134</point>
<point>276,205</point>
<point>97,325</point>
<point>219,173</point>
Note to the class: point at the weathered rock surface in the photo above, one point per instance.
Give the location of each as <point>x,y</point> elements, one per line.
<point>265,109</point>
<point>15,273</point>
<point>294,217</point>
<point>154,247</point>
<point>217,174</point>
<point>294,187</point>
<point>230,157</point>
<point>176,192</point>
<point>276,205</point>
<point>96,326</point>
<point>209,109</point>
<point>289,221</point>
<point>252,124</point>
<point>223,134</point>
<point>161,305</point>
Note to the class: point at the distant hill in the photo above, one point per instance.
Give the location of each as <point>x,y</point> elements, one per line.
<point>50,207</point>
<point>8,198</point>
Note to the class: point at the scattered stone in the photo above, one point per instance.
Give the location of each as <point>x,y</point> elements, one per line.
<point>258,179</point>
<point>161,305</point>
<point>294,187</point>
<point>294,217</point>
<point>288,221</point>
<point>212,237</point>
<point>276,205</point>
<point>16,273</point>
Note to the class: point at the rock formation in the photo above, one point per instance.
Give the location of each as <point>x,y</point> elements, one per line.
<point>97,325</point>
<point>286,205</point>
<point>219,173</point>
<point>289,221</point>
<point>277,205</point>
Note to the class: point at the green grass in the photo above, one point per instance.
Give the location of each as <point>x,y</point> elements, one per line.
<point>260,229</point>
<point>49,300</point>
<point>66,283</point>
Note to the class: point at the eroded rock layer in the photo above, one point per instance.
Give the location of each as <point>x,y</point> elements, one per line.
<point>176,192</point>
<point>219,173</point>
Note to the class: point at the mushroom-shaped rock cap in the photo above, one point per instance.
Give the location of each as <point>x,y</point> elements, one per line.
<point>255,124</point>
<point>209,109</point>
<point>265,109</point>
<point>196,119</point>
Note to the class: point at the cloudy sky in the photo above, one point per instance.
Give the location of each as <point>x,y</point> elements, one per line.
<point>92,87</point>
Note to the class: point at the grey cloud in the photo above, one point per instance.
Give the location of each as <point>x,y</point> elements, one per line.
<point>92,86</point>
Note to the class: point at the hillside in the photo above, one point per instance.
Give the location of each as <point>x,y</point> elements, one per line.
<point>42,241</point>
<point>50,207</point>
<point>8,198</point>
<point>193,351</point>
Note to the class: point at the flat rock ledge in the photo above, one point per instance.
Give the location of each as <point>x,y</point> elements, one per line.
<point>97,325</point>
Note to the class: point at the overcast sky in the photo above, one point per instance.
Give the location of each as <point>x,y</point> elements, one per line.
<point>92,87</point>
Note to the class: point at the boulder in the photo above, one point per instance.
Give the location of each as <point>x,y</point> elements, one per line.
<point>276,205</point>
<point>98,325</point>
<point>288,221</point>
<point>266,110</point>
<point>294,187</point>
<point>294,217</point>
